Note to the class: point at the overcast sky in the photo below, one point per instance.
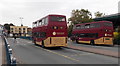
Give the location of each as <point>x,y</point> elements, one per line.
<point>32,10</point>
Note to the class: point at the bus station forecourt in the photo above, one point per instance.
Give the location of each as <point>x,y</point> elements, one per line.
<point>91,50</point>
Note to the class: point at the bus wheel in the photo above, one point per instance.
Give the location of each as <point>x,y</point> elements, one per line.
<point>43,44</point>
<point>35,42</point>
<point>77,41</point>
<point>92,42</point>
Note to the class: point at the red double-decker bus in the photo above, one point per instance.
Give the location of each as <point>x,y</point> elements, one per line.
<point>50,31</point>
<point>100,32</point>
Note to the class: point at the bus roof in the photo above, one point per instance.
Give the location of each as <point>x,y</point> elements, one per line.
<point>56,15</point>
<point>49,15</point>
<point>94,22</point>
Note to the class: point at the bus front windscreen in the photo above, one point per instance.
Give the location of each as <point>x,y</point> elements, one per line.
<point>57,19</point>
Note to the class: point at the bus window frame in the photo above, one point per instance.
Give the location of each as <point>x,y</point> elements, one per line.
<point>88,35</point>
<point>46,21</point>
<point>56,19</point>
<point>40,22</point>
<point>95,25</point>
<point>87,26</point>
<point>43,21</point>
<point>35,24</point>
<point>107,24</point>
<point>41,34</point>
<point>78,27</point>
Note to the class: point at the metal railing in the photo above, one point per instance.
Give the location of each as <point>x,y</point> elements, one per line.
<point>9,56</point>
<point>24,37</point>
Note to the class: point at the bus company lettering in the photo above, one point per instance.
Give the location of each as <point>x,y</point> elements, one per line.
<point>60,33</point>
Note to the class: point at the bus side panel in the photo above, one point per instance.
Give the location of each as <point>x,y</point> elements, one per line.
<point>80,41</point>
<point>104,40</point>
<point>39,42</point>
<point>47,41</point>
<point>108,40</point>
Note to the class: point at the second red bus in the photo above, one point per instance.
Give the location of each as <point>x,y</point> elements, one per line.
<point>100,32</point>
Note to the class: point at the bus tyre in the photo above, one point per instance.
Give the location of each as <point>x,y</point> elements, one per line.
<point>35,42</point>
<point>43,44</point>
<point>112,45</point>
<point>77,41</point>
<point>92,42</point>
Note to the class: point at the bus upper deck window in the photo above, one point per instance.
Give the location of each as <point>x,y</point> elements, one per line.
<point>78,27</point>
<point>95,25</point>
<point>87,26</point>
<point>107,24</point>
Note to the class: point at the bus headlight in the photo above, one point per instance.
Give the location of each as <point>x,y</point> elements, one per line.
<point>54,27</point>
<point>61,27</point>
<point>105,34</point>
<point>54,33</point>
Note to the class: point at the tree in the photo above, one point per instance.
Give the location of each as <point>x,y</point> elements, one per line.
<point>77,17</point>
<point>7,26</point>
<point>98,14</point>
<point>70,30</point>
<point>80,16</point>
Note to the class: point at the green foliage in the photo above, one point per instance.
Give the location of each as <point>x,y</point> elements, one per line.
<point>70,30</point>
<point>77,17</point>
<point>7,27</point>
<point>80,16</point>
<point>117,29</point>
<point>98,14</point>
<point>117,38</point>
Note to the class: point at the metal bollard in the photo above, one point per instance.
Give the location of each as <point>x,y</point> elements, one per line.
<point>10,51</point>
<point>13,61</point>
<point>10,59</point>
<point>8,46</point>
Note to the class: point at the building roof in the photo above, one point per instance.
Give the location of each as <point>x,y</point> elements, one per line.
<point>115,18</point>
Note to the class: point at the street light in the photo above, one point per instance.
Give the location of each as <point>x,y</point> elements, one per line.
<point>21,20</point>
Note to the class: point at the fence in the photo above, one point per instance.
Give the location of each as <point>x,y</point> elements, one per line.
<point>24,37</point>
<point>9,56</point>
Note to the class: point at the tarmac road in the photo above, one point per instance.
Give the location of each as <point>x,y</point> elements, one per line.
<point>27,53</point>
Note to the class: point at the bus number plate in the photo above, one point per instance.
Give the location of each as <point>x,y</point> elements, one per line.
<point>107,39</point>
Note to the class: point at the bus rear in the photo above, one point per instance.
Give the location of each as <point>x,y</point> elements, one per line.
<point>105,34</point>
<point>57,31</point>
<point>52,31</point>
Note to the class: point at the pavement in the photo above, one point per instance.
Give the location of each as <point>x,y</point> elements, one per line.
<point>2,52</point>
<point>95,50</point>
<point>1,42</point>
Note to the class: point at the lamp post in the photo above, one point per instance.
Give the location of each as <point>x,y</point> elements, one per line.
<point>20,33</point>
<point>21,20</point>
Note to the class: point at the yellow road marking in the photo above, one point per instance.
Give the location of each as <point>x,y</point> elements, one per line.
<point>59,54</point>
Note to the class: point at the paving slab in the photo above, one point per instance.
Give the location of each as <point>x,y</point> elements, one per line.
<point>96,51</point>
